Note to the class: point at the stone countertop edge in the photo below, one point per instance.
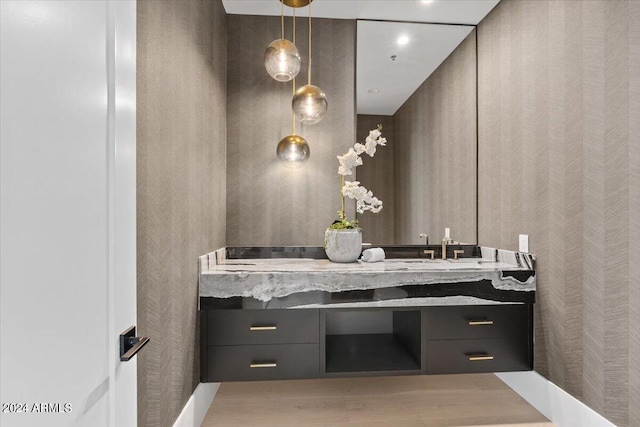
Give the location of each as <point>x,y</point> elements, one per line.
<point>412,302</point>
<point>264,285</point>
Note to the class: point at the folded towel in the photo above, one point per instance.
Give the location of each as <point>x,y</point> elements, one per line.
<point>373,255</point>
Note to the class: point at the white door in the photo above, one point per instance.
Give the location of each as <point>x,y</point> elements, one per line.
<point>67,212</point>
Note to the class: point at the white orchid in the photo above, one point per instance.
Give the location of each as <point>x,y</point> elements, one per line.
<point>352,158</point>
<point>348,161</point>
<point>375,207</point>
<point>349,189</point>
<point>374,134</point>
<point>365,200</point>
<point>370,148</point>
<point>372,140</point>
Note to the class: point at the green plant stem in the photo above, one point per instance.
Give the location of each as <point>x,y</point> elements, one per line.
<point>342,213</point>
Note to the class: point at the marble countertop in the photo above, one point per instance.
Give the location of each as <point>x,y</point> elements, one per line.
<point>264,279</point>
<point>296,265</point>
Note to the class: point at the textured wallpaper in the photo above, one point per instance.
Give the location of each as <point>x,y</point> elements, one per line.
<point>559,159</point>
<point>181,137</point>
<point>434,153</point>
<point>268,203</point>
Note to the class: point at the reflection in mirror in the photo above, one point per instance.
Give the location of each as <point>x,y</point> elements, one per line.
<point>419,82</point>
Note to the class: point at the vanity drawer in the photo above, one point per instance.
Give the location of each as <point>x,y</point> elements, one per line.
<point>473,356</point>
<point>262,362</point>
<point>477,321</point>
<point>240,327</point>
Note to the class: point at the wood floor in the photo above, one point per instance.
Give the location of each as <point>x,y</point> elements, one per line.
<point>433,401</point>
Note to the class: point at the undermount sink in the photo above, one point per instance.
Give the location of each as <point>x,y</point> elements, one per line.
<point>442,265</point>
<point>467,260</point>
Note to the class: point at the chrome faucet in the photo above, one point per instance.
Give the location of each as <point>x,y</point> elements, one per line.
<point>425,237</point>
<point>446,240</point>
<point>444,248</point>
<point>430,252</point>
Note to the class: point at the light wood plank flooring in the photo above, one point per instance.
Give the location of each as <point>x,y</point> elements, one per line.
<point>433,401</point>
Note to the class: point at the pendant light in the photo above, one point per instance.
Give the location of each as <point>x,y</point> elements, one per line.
<point>309,102</point>
<point>281,59</point>
<point>293,148</point>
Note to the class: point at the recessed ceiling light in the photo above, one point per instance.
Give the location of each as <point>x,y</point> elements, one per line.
<point>374,90</point>
<point>402,40</point>
<point>427,1</point>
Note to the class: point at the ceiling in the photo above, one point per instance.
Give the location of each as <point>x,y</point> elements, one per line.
<point>383,84</point>
<point>426,47</point>
<point>439,11</point>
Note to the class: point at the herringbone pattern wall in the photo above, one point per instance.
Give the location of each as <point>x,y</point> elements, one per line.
<point>434,151</point>
<point>181,120</point>
<point>559,159</point>
<point>268,203</point>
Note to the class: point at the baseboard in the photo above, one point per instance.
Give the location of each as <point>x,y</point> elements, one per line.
<point>560,407</point>
<point>197,406</point>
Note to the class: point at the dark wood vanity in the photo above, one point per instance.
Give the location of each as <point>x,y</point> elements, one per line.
<point>404,330</point>
<point>249,345</point>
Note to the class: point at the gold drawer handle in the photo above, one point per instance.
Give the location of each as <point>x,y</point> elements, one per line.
<point>480,322</point>
<point>479,358</point>
<point>263,365</point>
<point>263,328</point>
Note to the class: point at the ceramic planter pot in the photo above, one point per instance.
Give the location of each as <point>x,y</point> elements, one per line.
<point>343,245</point>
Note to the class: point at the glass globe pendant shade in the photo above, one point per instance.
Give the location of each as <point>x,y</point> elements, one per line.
<point>282,61</point>
<point>294,150</point>
<point>309,104</point>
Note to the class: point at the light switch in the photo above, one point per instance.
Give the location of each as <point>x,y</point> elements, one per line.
<point>524,243</point>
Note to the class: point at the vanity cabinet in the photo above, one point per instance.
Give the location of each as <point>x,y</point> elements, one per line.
<point>262,362</point>
<point>252,327</point>
<point>251,345</point>
<point>487,338</point>
<point>267,344</point>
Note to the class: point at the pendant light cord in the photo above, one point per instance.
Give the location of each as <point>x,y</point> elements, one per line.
<point>293,115</point>
<point>309,71</point>
<point>281,19</point>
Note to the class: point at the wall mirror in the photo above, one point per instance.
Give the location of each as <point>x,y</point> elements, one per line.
<point>419,81</point>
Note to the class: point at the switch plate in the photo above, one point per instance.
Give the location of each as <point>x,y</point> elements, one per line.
<point>524,243</point>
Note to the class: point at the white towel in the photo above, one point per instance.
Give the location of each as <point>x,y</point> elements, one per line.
<point>373,255</point>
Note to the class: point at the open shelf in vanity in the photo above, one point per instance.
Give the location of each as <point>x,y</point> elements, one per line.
<point>371,341</point>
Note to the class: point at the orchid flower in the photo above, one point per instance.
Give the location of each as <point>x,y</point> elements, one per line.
<point>365,200</point>
<point>348,161</point>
